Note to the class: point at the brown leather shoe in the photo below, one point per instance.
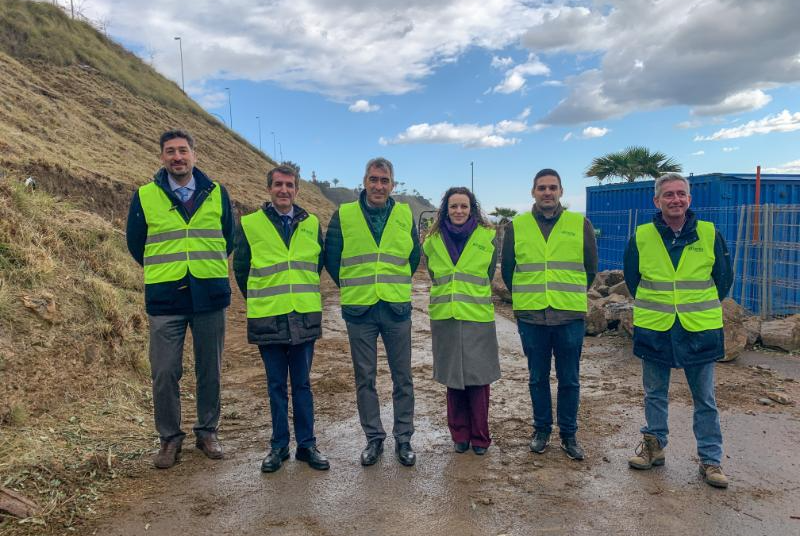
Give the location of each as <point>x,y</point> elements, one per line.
<point>210,446</point>
<point>168,454</point>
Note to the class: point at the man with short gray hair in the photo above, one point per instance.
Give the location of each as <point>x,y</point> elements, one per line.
<point>371,251</point>
<point>678,269</point>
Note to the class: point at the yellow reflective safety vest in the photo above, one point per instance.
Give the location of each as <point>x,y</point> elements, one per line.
<point>549,273</point>
<point>369,271</point>
<point>174,246</point>
<point>461,291</point>
<point>281,279</point>
<point>688,291</point>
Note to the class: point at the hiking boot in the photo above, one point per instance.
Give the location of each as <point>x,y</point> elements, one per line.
<point>648,454</point>
<point>572,448</point>
<point>168,454</point>
<point>713,475</point>
<point>539,442</point>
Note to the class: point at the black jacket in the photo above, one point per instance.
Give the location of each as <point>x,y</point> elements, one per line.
<point>677,347</point>
<point>334,244</point>
<point>292,328</point>
<point>190,294</point>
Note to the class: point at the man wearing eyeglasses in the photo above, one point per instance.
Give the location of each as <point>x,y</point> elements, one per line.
<point>371,251</point>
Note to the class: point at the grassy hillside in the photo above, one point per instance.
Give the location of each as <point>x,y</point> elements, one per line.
<point>83,116</point>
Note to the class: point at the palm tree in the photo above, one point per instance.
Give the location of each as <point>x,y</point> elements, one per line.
<point>632,163</point>
<point>335,182</point>
<point>505,214</point>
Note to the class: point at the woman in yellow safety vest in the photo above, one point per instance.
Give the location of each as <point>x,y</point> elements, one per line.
<point>461,258</point>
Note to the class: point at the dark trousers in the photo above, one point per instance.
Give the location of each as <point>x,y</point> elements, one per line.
<point>296,360</point>
<point>468,415</point>
<point>540,343</point>
<point>364,349</point>
<point>167,334</point>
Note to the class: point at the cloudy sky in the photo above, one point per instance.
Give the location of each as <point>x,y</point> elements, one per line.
<point>511,85</point>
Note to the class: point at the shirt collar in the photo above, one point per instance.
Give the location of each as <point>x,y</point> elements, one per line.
<point>290,213</point>
<point>191,186</point>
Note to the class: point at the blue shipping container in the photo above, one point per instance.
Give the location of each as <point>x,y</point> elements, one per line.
<point>764,242</point>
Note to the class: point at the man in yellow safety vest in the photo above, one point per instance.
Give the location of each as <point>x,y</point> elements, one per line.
<point>277,262</point>
<point>549,261</point>
<point>678,269</point>
<point>371,251</point>
<point>180,229</point>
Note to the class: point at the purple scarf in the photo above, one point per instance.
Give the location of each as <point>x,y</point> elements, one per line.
<point>455,236</point>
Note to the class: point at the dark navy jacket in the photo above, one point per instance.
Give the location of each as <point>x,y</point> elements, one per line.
<point>292,328</point>
<point>677,347</point>
<point>190,294</point>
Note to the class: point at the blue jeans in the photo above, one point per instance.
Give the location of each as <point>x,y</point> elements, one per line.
<point>707,433</point>
<point>540,344</point>
<point>296,359</point>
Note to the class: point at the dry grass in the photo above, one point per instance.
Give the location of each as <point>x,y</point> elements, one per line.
<point>74,400</point>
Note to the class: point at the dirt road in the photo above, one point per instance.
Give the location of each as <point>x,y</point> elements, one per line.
<point>508,491</point>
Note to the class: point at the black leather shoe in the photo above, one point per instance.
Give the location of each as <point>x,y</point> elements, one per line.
<point>313,458</point>
<point>405,454</point>
<point>572,448</point>
<point>480,451</point>
<point>274,460</point>
<point>371,452</point>
<point>539,442</point>
<point>461,448</point>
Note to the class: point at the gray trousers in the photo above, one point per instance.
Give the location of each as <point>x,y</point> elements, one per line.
<point>167,333</point>
<point>364,349</point>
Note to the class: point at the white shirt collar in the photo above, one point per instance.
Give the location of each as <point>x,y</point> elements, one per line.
<point>174,185</point>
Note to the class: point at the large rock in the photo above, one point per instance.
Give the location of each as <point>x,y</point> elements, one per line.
<point>626,322</point>
<point>499,288</point>
<point>596,322</point>
<point>608,278</point>
<point>752,327</point>
<point>620,289</point>
<point>783,333</point>
<point>733,317</point>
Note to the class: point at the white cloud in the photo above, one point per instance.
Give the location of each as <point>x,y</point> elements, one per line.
<point>789,167</point>
<point>363,106</point>
<point>743,101</point>
<point>339,49</point>
<point>567,136</point>
<point>467,135</point>
<point>688,124</point>
<point>516,77</point>
<point>780,122</point>
<point>699,58</point>
<point>552,83</point>
<point>501,63</point>
<point>729,149</point>
<point>698,153</point>
<point>594,132</point>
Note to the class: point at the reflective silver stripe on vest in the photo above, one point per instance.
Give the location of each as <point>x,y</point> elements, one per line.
<point>566,287</point>
<point>182,233</point>
<point>447,298</point>
<point>283,267</point>
<point>374,257</point>
<point>531,267</point>
<point>529,288</point>
<point>163,259</point>
<point>679,285</point>
<point>207,255</point>
<point>467,278</point>
<point>371,279</point>
<point>566,265</point>
<point>656,285</point>
<point>680,308</point>
<point>281,289</point>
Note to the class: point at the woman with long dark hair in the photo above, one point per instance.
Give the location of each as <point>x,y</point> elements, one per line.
<point>461,258</point>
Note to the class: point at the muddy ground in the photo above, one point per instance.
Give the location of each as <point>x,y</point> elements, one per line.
<point>509,490</point>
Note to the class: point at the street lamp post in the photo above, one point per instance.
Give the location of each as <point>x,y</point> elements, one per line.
<point>258,118</point>
<point>274,152</point>
<point>230,110</point>
<point>180,47</point>
<point>472,177</point>
<point>280,148</point>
